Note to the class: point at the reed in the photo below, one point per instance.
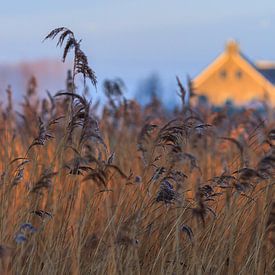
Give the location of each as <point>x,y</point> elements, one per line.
<point>133,190</point>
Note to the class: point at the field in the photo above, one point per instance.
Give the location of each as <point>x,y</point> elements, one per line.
<point>131,189</point>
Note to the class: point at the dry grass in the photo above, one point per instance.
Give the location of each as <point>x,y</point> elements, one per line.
<point>134,191</point>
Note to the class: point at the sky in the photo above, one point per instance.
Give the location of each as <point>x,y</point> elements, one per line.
<point>132,39</point>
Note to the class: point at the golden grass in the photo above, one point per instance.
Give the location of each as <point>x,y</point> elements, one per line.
<point>135,191</point>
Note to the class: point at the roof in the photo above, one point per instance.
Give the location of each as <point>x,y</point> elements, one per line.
<point>268,73</point>
<point>266,70</point>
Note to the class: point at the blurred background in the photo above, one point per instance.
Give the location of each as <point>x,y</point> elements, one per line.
<point>139,41</point>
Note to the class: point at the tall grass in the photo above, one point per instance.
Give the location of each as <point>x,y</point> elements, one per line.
<point>134,190</point>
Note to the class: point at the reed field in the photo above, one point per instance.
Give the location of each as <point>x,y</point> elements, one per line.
<point>131,189</point>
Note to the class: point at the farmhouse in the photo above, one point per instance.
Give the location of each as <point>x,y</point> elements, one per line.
<point>232,76</point>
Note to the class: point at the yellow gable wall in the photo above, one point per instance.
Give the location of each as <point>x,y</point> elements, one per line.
<point>218,89</point>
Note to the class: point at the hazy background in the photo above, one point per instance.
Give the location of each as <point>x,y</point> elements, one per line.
<point>131,39</point>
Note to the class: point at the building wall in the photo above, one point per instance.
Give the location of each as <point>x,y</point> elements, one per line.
<point>232,77</point>
<point>229,81</point>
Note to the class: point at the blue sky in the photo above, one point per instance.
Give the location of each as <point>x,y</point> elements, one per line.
<point>133,38</point>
